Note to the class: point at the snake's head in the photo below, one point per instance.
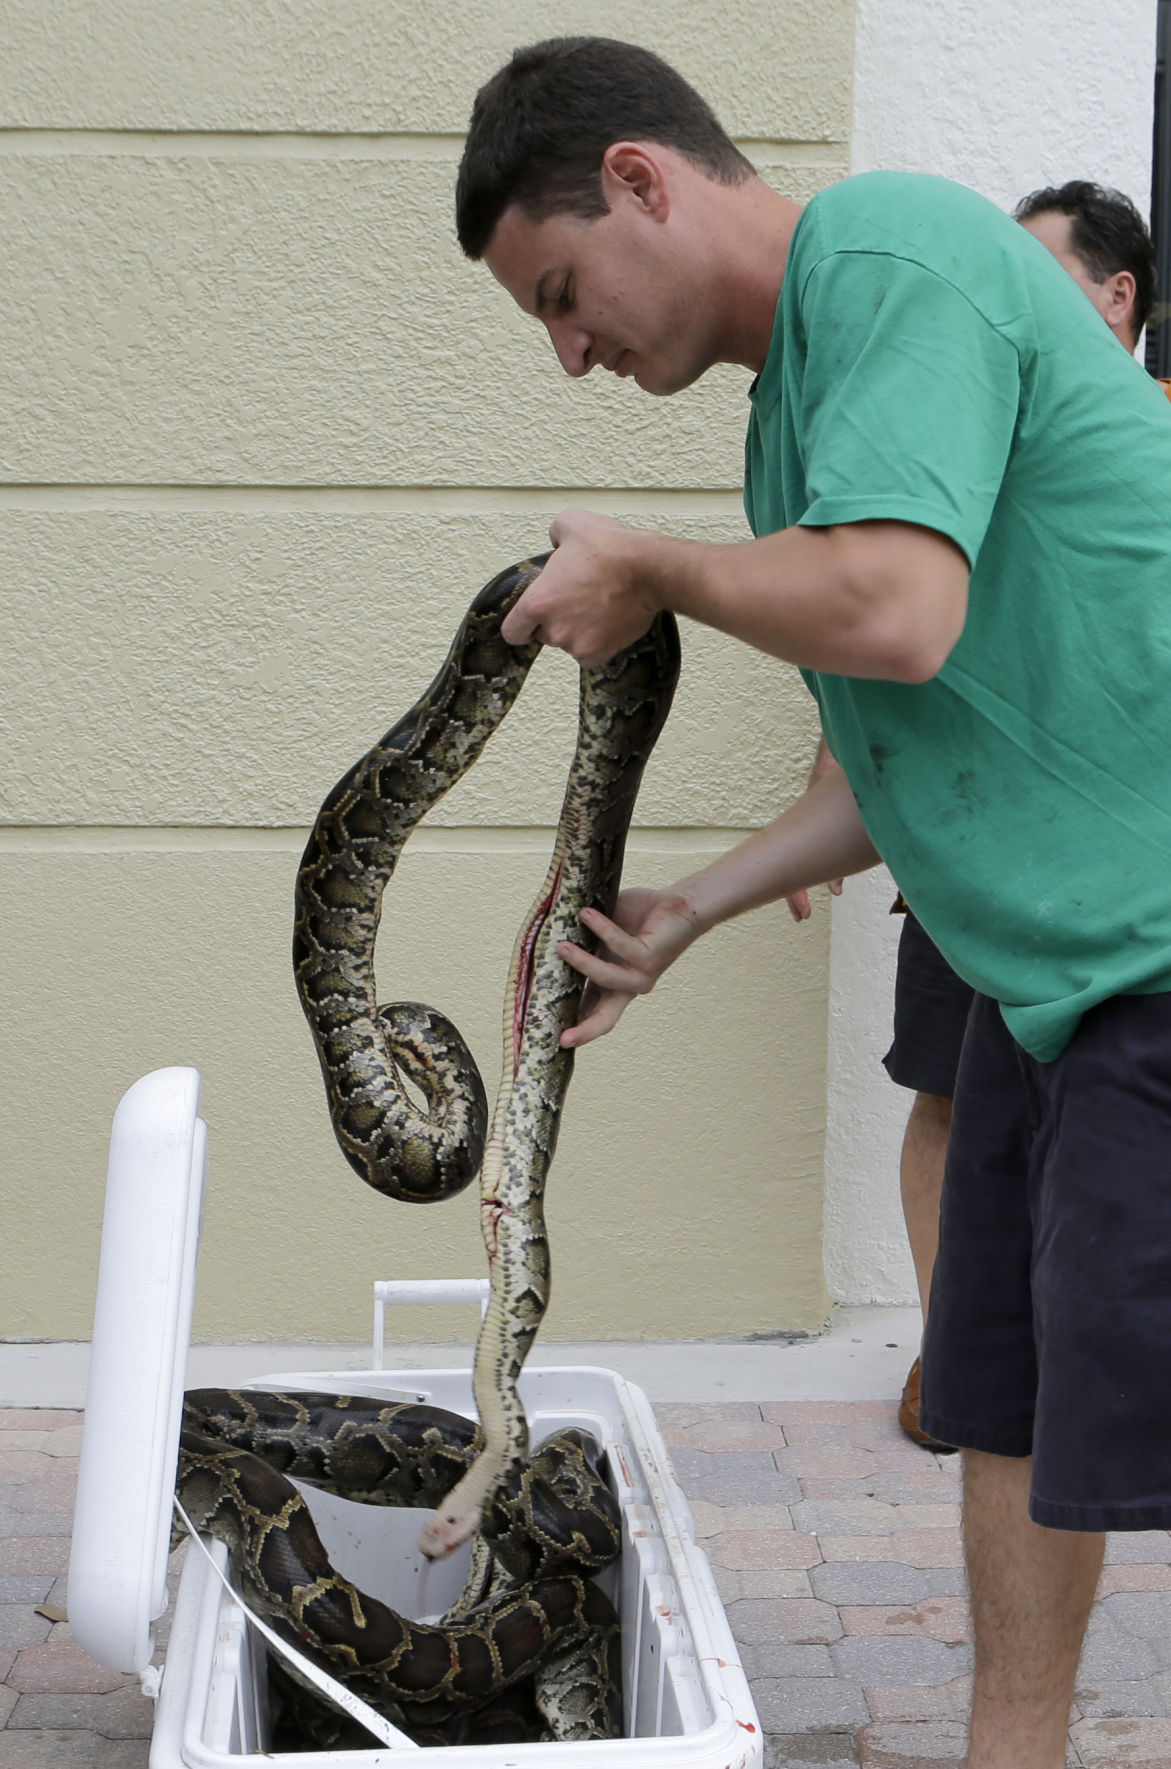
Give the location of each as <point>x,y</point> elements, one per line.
<point>448,1530</point>
<point>458,1518</point>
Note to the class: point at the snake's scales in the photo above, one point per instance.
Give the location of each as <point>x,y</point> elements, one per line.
<point>428,1155</point>
<point>529,1626</point>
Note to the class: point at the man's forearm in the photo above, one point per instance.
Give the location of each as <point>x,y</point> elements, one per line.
<point>880,599</point>
<point>877,599</point>
<point>820,837</point>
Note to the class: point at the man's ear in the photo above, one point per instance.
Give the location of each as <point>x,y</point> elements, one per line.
<point>634,170</point>
<point>1121,290</point>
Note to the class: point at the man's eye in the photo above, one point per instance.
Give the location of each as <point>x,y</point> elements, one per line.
<point>565,297</point>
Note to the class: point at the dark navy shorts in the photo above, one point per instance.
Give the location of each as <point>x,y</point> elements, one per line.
<point>931,1011</point>
<point>1049,1331</point>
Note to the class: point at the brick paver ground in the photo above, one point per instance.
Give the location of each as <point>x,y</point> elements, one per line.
<point>835,1545</point>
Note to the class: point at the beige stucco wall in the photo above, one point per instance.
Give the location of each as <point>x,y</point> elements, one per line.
<point>266,433</point>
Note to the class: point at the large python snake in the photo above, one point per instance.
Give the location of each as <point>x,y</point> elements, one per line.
<point>351,854</point>
<point>526,1609</point>
<point>529,1626</point>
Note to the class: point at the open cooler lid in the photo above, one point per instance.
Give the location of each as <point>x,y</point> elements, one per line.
<point>138,1362</point>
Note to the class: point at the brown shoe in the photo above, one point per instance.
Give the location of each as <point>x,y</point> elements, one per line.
<point>909,1415</point>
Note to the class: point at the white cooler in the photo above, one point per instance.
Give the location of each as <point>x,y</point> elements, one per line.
<point>686,1700</point>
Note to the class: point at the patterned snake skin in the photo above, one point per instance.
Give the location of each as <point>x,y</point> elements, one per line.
<point>531,1644</point>
<point>351,854</point>
<point>529,1627</point>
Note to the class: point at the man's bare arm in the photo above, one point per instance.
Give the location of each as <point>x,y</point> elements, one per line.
<point>818,838</point>
<point>879,599</point>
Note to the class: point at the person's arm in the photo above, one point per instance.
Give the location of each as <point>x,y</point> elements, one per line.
<point>818,838</point>
<point>798,901</point>
<point>877,599</point>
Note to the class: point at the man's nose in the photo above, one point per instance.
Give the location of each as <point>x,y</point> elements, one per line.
<point>573,347</point>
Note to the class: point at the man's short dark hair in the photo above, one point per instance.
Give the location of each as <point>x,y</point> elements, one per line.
<point>541,126</point>
<point>1108,235</point>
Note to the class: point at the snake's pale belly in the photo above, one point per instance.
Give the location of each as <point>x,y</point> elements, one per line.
<point>426,1155</point>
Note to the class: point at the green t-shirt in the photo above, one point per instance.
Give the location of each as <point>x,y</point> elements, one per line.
<point>931,363</point>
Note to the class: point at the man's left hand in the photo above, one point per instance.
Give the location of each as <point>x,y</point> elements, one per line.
<point>593,598</point>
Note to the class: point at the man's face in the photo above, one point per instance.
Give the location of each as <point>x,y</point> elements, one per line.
<point>1113,301</point>
<point>615,291</point>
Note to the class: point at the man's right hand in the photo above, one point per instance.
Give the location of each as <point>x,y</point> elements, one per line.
<point>649,931</point>
<point>821,836</point>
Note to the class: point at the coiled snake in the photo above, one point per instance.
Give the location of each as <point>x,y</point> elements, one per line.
<point>431,1154</point>
<point>529,1624</point>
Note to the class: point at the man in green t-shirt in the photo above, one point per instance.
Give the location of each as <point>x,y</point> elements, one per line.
<point>1100,238</point>
<point>958,488</point>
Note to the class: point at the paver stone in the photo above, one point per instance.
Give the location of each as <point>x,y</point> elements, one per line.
<point>62,1668</point>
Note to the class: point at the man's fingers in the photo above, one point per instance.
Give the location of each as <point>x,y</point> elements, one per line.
<point>601,972</point>
<point>565,521</point>
<point>521,623</point>
<point>616,939</point>
<point>604,1018</point>
<point>525,624</point>
<point>799,906</point>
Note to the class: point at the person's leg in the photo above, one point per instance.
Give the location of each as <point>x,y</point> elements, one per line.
<point>980,1391</point>
<point>1054,1255</point>
<point>1032,1589</point>
<point>921,1178</point>
<point>921,1166</point>
<point>931,1011</point>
